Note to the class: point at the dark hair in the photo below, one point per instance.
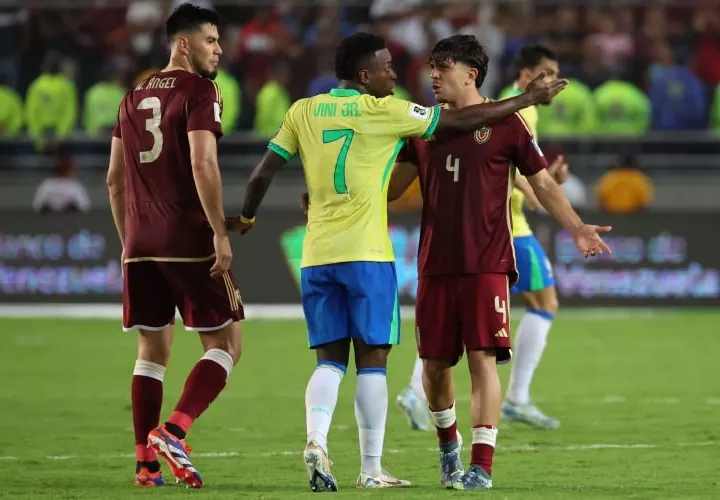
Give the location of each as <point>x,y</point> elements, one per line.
<point>465,49</point>
<point>189,17</point>
<point>353,52</point>
<point>530,56</point>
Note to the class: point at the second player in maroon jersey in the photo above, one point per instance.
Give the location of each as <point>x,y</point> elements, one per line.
<point>166,200</point>
<point>465,261</point>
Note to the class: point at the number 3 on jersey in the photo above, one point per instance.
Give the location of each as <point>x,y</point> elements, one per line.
<point>339,173</point>
<point>453,165</point>
<point>152,125</point>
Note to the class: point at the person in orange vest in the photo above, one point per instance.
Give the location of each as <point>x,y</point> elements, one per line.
<point>624,189</point>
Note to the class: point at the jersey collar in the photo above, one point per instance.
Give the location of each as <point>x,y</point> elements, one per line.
<point>343,92</point>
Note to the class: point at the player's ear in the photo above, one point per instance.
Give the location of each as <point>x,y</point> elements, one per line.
<point>183,44</point>
<point>364,76</point>
<point>473,74</point>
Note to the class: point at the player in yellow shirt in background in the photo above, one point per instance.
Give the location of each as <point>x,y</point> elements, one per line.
<point>536,283</point>
<point>348,140</point>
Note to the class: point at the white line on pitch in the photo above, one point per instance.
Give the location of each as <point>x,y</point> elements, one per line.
<point>510,449</point>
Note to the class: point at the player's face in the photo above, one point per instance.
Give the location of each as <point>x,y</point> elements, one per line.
<point>204,51</point>
<point>380,78</point>
<point>451,80</point>
<point>551,69</point>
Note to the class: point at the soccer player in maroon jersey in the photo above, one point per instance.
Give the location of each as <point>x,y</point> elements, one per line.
<point>166,199</point>
<point>466,261</point>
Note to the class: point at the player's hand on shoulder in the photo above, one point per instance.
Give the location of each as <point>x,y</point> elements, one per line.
<point>305,203</point>
<point>223,255</point>
<point>541,91</point>
<point>589,242</point>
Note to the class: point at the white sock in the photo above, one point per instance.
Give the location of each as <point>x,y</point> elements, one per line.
<point>321,397</point>
<point>444,418</point>
<point>530,341</point>
<point>416,380</point>
<point>371,404</point>
<point>149,369</point>
<point>483,435</point>
<point>220,357</point>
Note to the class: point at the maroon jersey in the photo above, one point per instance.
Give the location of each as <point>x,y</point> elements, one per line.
<point>164,218</point>
<point>466,181</point>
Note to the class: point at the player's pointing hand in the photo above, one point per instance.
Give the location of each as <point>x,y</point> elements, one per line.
<point>541,91</point>
<point>223,256</point>
<point>588,240</point>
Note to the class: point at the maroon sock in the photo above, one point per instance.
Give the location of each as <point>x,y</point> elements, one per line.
<point>147,394</point>
<point>447,435</point>
<point>205,382</point>
<point>482,453</point>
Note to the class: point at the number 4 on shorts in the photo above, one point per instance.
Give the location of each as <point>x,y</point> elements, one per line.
<point>501,308</point>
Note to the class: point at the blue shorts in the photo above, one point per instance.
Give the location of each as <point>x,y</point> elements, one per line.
<point>533,265</point>
<point>351,300</point>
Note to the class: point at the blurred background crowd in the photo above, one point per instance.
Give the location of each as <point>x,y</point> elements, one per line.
<point>634,67</point>
<point>636,125</point>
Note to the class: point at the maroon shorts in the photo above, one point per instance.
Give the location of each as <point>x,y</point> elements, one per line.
<point>152,290</point>
<point>463,311</point>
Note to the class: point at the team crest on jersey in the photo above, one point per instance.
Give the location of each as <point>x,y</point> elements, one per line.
<point>482,135</point>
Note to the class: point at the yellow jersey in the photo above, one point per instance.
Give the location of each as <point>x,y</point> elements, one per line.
<point>517,200</point>
<point>348,143</point>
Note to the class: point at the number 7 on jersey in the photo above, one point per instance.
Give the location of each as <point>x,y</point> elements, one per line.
<point>346,135</point>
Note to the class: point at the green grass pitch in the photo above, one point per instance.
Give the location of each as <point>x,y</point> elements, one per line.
<point>638,396</point>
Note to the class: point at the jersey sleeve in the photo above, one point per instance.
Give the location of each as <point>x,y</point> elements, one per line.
<point>117,132</point>
<point>526,154</point>
<point>408,153</point>
<point>204,108</point>
<point>409,119</point>
<point>285,143</point>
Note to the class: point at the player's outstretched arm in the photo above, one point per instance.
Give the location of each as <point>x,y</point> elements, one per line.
<point>116,186</point>
<point>525,188</point>
<point>484,115</point>
<point>403,174</point>
<point>553,199</point>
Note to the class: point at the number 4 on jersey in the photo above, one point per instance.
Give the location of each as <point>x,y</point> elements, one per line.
<point>453,165</point>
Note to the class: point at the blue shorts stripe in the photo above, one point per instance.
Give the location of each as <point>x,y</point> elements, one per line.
<point>534,268</point>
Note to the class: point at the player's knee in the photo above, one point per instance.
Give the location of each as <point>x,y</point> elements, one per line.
<point>154,350</point>
<point>436,370</point>
<point>227,339</point>
<point>367,356</point>
<point>482,363</point>
<point>549,302</point>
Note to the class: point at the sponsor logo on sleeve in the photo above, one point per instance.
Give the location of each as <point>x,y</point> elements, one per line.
<point>420,112</point>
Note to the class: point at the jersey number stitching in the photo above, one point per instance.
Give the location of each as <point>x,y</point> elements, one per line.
<point>453,165</point>
<point>152,125</point>
<point>339,174</point>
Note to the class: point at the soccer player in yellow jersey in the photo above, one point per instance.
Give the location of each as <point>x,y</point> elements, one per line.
<point>348,140</point>
<point>536,283</point>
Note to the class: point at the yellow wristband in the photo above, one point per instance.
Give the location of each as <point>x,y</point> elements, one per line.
<point>245,220</point>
